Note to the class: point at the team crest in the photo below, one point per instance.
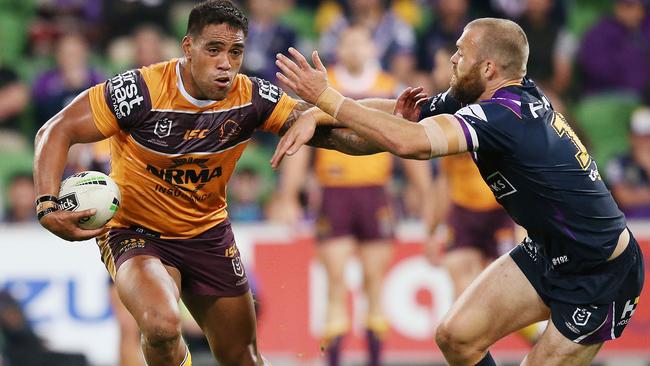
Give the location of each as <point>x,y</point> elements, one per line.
<point>163,127</point>
<point>229,130</point>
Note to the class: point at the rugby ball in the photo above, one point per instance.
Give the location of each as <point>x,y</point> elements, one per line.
<point>90,189</point>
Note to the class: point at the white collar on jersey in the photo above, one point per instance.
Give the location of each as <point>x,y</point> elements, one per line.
<point>179,83</point>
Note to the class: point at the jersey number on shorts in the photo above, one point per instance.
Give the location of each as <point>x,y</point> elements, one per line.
<point>562,128</point>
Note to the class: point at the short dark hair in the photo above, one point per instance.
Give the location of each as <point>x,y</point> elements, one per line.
<point>216,12</point>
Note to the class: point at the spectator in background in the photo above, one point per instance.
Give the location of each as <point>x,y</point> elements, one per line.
<point>355,214</point>
<point>14,97</point>
<point>21,344</point>
<point>450,18</point>
<point>615,54</point>
<point>122,17</point>
<point>266,38</point>
<point>552,48</point>
<point>55,88</point>
<point>244,196</point>
<point>149,45</point>
<point>393,38</point>
<point>629,176</point>
<point>20,199</point>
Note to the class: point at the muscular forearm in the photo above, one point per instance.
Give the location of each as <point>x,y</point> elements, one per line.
<point>50,155</point>
<point>344,140</point>
<point>389,132</point>
<point>324,119</point>
<point>74,124</point>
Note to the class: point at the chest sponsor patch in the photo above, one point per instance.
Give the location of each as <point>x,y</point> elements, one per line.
<point>499,185</point>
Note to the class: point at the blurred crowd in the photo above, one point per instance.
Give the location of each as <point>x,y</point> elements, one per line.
<point>591,57</point>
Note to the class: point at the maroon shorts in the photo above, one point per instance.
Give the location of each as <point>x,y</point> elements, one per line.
<point>209,263</point>
<point>486,231</point>
<point>361,212</point>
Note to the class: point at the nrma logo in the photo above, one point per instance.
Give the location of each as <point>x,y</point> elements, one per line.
<point>185,176</point>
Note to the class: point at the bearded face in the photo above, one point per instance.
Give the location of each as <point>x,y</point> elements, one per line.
<point>467,86</point>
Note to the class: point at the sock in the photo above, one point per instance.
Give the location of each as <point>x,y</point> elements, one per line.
<point>188,359</point>
<point>334,351</point>
<point>486,361</point>
<point>374,348</point>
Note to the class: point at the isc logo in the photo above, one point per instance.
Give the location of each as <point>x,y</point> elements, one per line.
<point>195,134</point>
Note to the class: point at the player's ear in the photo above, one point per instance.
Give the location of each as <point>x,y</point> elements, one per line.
<point>489,68</point>
<point>186,44</point>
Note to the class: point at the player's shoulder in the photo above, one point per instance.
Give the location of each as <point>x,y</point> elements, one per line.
<point>488,111</point>
<point>159,73</point>
<point>262,90</point>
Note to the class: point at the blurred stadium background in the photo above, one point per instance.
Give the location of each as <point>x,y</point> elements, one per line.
<point>592,57</point>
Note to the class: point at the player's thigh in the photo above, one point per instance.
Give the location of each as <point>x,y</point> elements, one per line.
<point>227,322</point>
<point>149,289</point>
<point>499,302</point>
<point>334,254</point>
<point>555,349</point>
<point>375,256</point>
<point>464,262</point>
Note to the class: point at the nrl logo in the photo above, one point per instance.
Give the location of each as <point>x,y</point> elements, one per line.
<point>581,316</point>
<point>163,127</point>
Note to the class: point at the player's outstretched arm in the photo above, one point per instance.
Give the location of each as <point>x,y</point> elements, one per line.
<point>74,124</point>
<point>317,128</point>
<point>440,135</point>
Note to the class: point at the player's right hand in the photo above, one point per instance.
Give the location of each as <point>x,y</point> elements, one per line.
<point>408,103</point>
<point>64,224</point>
<point>299,134</point>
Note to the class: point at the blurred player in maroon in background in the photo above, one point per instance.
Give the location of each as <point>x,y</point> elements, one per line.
<point>355,215</point>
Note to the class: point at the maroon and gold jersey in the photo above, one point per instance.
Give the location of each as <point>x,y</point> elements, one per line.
<point>171,154</point>
<point>467,187</point>
<point>336,169</point>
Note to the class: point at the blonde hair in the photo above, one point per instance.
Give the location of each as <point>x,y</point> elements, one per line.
<point>505,42</point>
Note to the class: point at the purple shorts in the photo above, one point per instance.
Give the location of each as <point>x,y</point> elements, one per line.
<point>486,231</point>
<point>361,212</point>
<point>209,263</point>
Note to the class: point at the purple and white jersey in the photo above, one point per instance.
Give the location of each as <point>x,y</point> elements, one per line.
<point>539,170</point>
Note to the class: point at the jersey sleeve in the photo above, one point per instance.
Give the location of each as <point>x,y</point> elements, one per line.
<point>489,127</point>
<point>443,103</point>
<point>120,103</point>
<point>272,104</point>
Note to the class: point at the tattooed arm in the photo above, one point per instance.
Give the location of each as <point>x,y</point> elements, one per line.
<point>344,140</point>
<point>324,119</point>
<point>300,108</point>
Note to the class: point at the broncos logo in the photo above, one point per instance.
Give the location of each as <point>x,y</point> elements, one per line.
<point>229,130</point>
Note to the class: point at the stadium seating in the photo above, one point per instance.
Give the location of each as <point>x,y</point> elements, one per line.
<point>604,118</point>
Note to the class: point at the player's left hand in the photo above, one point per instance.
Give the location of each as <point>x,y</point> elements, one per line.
<point>408,103</point>
<point>299,134</point>
<point>307,82</point>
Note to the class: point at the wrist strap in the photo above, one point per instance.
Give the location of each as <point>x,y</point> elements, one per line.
<point>47,198</point>
<point>330,101</point>
<point>45,212</point>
